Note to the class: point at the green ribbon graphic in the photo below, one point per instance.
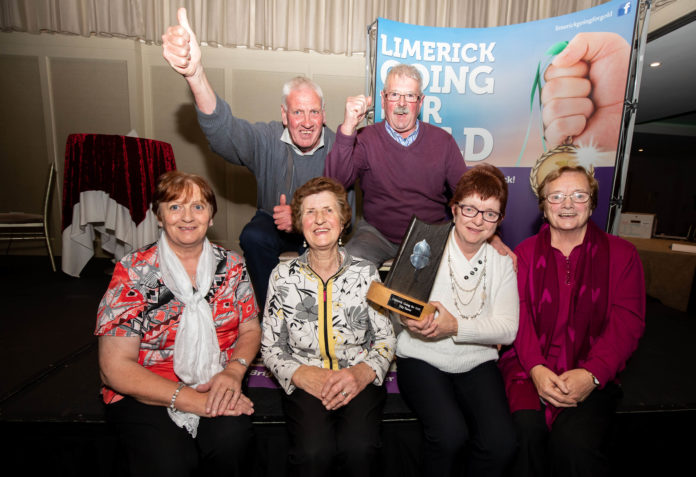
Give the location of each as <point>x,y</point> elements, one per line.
<point>555,49</point>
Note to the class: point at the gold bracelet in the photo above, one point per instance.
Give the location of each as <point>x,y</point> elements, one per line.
<point>176,393</point>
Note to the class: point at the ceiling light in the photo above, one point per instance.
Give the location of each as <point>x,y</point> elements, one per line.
<point>655,64</point>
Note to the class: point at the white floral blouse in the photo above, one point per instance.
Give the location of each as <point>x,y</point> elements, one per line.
<point>329,325</point>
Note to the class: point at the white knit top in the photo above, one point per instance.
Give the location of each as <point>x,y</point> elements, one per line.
<point>477,338</point>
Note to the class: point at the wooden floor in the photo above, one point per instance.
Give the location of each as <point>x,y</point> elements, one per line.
<point>51,412</point>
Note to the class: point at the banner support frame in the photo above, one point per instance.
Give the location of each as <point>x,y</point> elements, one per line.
<point>370,66</point>
<point>626,138</point>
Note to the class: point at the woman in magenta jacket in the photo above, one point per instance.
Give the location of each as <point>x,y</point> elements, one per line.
<point>582,312</point>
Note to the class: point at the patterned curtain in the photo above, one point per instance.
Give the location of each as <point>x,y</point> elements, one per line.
<point>325,26</point>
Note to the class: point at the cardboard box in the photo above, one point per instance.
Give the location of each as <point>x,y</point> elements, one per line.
<point>683,247</point>
<point>637,225</point>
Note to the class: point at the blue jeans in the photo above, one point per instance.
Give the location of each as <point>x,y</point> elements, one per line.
<point>262,243</point>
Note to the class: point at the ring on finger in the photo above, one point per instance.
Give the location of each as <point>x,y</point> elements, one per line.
<point>230,390</point>
<point>344,394</point>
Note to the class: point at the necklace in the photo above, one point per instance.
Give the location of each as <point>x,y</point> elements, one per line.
<point>459,291</point>
<point>309,260</point>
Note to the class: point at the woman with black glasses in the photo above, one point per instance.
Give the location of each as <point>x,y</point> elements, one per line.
<point>447,369</point>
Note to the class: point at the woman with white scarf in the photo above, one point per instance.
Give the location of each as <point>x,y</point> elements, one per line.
<point>177,329</point>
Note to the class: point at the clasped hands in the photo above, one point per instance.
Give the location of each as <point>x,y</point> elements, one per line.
<point>334,389</point>
<point>223,393</point>
<point>565,390</point>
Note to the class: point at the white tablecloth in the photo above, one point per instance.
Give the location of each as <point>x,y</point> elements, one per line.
<point>97,212</point>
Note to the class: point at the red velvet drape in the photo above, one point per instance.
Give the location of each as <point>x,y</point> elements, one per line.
<point>124,167</point>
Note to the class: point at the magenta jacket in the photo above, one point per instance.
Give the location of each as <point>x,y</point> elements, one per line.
<point>623,326</point>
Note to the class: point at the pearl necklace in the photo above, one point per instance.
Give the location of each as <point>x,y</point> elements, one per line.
<point>458,289</point>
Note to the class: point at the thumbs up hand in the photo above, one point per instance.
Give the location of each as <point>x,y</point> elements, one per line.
<point>282,215</point>
<point>180,47</point>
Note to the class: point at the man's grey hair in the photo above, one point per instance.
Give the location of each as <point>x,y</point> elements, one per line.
<point>408,71</point>
<point>299,82</point>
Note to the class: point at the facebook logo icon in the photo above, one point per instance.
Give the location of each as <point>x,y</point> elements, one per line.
<point>625,9</point>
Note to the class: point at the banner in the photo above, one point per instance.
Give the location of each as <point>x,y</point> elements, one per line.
<point>511,95</point>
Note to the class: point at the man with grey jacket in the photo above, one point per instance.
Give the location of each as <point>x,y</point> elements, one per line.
<point>282,156</point>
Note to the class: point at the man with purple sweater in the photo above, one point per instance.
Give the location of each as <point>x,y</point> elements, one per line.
<point>405,166</point>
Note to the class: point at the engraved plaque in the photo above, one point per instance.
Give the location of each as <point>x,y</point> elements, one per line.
<point>410,280</point>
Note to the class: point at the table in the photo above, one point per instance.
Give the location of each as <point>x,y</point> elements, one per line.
<point>107,186</point>
<point>669,275</point>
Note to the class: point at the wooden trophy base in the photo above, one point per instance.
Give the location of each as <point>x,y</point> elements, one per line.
<point>398,302</point>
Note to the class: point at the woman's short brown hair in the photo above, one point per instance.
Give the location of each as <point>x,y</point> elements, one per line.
<point>485,180</point>
<point>316,186</point>
<point>175,184</point>
<point>556,173</point>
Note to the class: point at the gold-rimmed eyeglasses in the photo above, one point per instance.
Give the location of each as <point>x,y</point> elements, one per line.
<point>578,197</point>
<point>394,96</point>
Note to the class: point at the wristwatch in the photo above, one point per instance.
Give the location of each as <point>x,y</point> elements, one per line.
<point>242,361</point>
<point>595,381</point>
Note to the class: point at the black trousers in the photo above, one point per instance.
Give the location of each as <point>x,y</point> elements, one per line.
<point>154,445</point>
<point>262,243</point>
<point>463,415</point>
<point>578,442</point>
<point>341,442</point>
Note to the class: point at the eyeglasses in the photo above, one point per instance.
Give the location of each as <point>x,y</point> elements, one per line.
<point>394,96</point>
<point>577,197</point>
<point>471,212</point>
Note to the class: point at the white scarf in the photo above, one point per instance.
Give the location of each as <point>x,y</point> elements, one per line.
<point>196,348</point>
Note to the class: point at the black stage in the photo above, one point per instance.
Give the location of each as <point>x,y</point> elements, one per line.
<point>51,414</point>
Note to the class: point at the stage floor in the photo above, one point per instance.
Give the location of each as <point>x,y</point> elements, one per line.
<point>49,383</point>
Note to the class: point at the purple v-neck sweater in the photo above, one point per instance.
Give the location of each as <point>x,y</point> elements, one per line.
<point>398,181</point>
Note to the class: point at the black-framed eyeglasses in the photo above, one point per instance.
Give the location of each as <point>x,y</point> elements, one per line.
<point>578,197</point>
<point>394,96</point>
<point>471,212</point>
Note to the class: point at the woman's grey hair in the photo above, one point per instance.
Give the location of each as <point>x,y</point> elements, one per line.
<point>299,82</point>
<point>409,71</point>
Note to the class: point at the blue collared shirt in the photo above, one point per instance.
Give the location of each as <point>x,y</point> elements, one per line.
<point>404,141</point>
